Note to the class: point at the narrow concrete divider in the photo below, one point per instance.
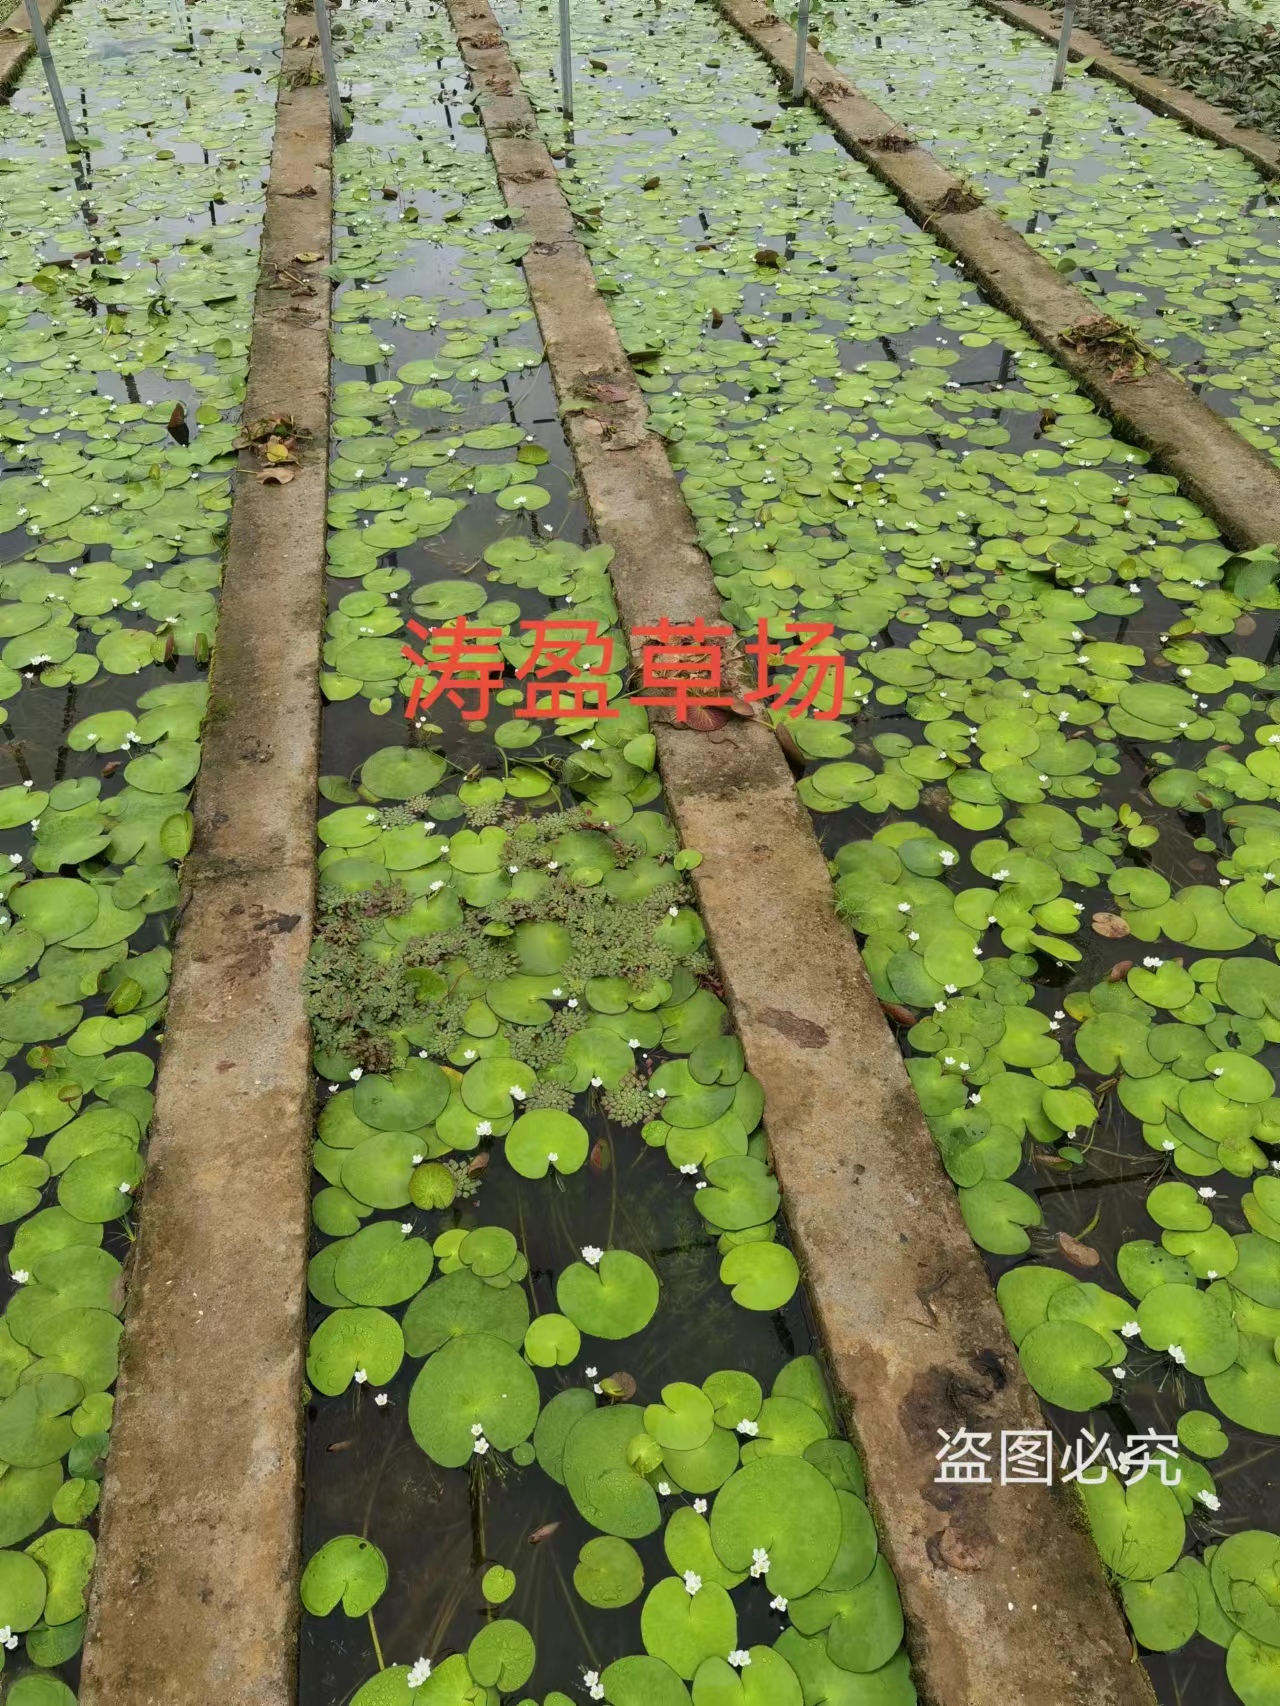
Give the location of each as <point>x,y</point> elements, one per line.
<point>1238,486</point>
<point>1162,97</point>
<point>195,1594</point>
<point>17,44</point>
<point>1005,1597</point>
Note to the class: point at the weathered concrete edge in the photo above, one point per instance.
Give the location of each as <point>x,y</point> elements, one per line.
<point>1004,1593</point>
<point>14,54</point>
<point>195,1593</point>
<point>1237,485</point>
<point>1163,97</point>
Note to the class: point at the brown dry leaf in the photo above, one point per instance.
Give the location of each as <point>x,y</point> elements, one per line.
<point>179,431</point>
<point>601,1158</point>
<point>1119,971</point>
<point>768,258</point>
<point>309,256</point>
<point>598,64</point>
<point>477,1164</point>
<point>1081,1255</point>
<point>1110,925</point>
<point>620,1388</point>
<point>276,476</point>
<point>899,1014</point>
<point>650,183</point>
<point>277,452</point>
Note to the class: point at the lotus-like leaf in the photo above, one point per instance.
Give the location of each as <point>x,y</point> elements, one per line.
<point>349,1569</point>
<point>613,1300</point>
<point>473,1381</point>
<point>787,1508</point>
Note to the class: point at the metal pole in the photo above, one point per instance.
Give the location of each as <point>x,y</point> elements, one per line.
<point>337,117</point>
<point>51,75</point>
<point>1064,45</point>
<point>566,61</point>
<point>802,48</point>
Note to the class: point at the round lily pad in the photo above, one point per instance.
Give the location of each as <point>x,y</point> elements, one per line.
<point>609,1573</point>
<point>611,1301</point>
<point>546,1138</point>
<point>400,773</point>
<point>346,1569</point>
<point>380,1266</point>
<point>685,1628</point>
<point>350,1341</point>
<point>787,1507</point>
<point>476,1380</point>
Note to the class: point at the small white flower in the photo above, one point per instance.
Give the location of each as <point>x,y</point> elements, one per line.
<point>591,1682</point>
<point>477,1428</point>
<point>125,1187</point>
<point>418,1673</point>
<point>913,935</point>
<point>20,1276</point>
<point>1210,1500</point>
<point>692,1581</point>
<point>380,1399</point>
<point>947,857</point>
<point>976,1097</point>
<point>515,1091</point>
<point>552,1155</point>
<point>591,1373</point>
<point>1207,1191</point>
<point>759,1561</point>
<point>700,1505</point>
<point>484,1128</point>
<point>689,1167</point>
<point>904,906</point>
<point>1119,1373</point>
<point>952,988</point>
<point>633,1042</point>
<point>999,876</point>
<point>778,1603</point>
<point>751,1429</point>
<point>1168,1144</point>
<point>740,1657</point>
<point>591,1255</point>
<point>356,1073</point>
<point>514,869</point>
<point>417,1162</point>
<point>1211,1274</point>
<point>553,865</point>
<point>1153,962</point>
<point>596,1083</point>
<point>1178,1354</point>
<point>573,1001</point>
<point>360,1376</point>
<point>1130,1330</point>
<point>406,1226</point>
<point>432,887</point>
<point>480,1447</point>
<point>8,1637</point>
<point>467,1054</point>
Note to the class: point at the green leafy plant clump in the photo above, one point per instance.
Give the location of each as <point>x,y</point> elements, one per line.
<point>123,348</point>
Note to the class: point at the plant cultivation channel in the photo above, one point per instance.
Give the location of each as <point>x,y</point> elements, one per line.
<point>858,434</point>
<point>126,292</point>
<point>507,951</point>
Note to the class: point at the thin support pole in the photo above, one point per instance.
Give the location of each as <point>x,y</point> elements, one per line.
<point>337,118</point>
<point>566,61</point>
<point>1064,45</point>
<point>802,48</point>
<point>51,76</point>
